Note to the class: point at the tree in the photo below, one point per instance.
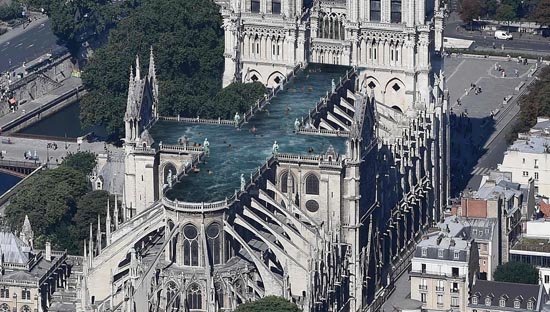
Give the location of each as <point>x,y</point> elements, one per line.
<point>268,304</point>
<point>84,162</point>
<point>506,13</point>
<point>90,206</point>
<point>49,199</point>
<point>470,10</point>
<point>517,272</point>
<point>9,12</point>
<point>542,13</point>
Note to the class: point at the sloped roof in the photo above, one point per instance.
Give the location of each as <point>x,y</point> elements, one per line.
<point>13,248</point>
<point>496,290</point>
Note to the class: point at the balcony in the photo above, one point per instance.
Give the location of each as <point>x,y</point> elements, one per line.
<point>423,287</point>
<point>439,288</point>
<point>454,290</point>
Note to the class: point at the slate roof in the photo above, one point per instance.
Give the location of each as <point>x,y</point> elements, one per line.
<point>446,244</point>
<point>496,290</point>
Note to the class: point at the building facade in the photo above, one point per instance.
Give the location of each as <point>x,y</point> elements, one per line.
<point>442,271</point>
<point>324,231</point>
<point>500,296</point>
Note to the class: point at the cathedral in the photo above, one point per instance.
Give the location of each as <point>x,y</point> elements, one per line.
<point>329,231</point>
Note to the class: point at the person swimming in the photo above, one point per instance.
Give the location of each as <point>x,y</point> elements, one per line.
<point>253,130</point>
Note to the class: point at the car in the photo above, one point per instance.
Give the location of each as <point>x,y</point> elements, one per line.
<point>503,35</point>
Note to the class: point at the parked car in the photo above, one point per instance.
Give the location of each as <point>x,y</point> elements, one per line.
<point>503,35</point>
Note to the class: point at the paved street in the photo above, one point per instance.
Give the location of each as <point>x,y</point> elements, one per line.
<point>18,147</point>
<point>484,40</point>
<point>21,45</point>
<point>475,133</point>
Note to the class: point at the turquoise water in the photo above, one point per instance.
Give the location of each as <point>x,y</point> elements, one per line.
<point>249,151</point>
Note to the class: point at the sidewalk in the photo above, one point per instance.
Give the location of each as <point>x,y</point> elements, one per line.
<point>37,19</point>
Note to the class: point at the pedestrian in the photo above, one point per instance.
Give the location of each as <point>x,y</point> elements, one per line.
<point>516,72</point>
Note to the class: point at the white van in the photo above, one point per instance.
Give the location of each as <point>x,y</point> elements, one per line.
<point>503,35</point>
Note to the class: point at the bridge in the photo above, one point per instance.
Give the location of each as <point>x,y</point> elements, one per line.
<point>48,150</point>
<point>17,168</point>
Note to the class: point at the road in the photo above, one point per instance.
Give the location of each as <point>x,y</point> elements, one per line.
<point>529,43</point>
<point>22,45</point>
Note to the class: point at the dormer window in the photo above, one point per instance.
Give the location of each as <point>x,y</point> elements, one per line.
<point>502,302</point>
<point>456,255</point>
<point>474,300</point>
<point>440,253</point>
<point>424,252</point>
<point>516,304</point>
<point>488,301</point>
<point>530,305</point>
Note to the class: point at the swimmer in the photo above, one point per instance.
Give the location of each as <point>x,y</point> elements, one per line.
<point>209,171</point>
<point>229,147</point>
<point>253,129</point>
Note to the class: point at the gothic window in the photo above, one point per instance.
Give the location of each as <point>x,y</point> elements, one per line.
<point>190,246</point>
<point>194,297</point>
<point>312,205</point>
<point>214,245</point>
<point>25,308</point>
<point>255,6</point>
<point>375,10</point>
<point>396,11</point>
<point>284,182</point>
<point>312,185</point>
<point>4,308</point>
<point>276,6</point>
<point>172,298</point>
<point>5,292</point>
<point>26,294</point>
<point>374,53</point>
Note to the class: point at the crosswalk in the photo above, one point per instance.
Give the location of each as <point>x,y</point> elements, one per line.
<point>481,171</point>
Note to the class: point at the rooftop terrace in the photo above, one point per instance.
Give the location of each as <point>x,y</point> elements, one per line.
<point>532,244</point>
<point>238,151</point>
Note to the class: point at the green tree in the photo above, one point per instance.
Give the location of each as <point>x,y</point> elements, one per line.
<point>49,199</point>
<point>506,13</point>
<point>84,162</point>
<point>517,272</point>
<point>9,12</point>
<point>469,10</point>
<point>489,8</point>
<point>89,207</point>
<point>268,304</point>
<point>542,13</point>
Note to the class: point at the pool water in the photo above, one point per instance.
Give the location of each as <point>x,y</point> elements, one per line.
<point>234,152</point>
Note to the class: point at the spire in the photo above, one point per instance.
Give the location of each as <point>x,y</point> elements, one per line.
<point>91,246</point>
<point>98,234</point>
<point>152,75</point>
<point>108,225</point>
<point>116,214</point>
<point>138,68</point>
<point>27,235</point>
<point>130,101</point>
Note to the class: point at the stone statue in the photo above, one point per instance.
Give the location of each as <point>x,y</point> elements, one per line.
<point>169,178</point>
<point>333,86</point>
<point>237,119</point>
<point>243,182</point>
<point>296,124</point>
<point>206,146</point>
<point>275,149</point>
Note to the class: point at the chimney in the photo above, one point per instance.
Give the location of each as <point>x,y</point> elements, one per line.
<point>48,251</point>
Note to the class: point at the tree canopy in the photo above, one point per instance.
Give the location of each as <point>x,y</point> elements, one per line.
<point>187,39</point>
<point>60,204</point>
<point>9,12</point>
<point>542,13</point>
<point>268,304</point>
<point>469,10</point>
<point>517,272</point>
<point>534,103</point>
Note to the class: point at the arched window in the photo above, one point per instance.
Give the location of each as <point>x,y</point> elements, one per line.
<point>194,297</point>
<point>172,298</point>
<point>25,308</point>
<point>214,244</point>
<point>190,245</point>
<point>276,6</point>
<point>284,182</point>
<point>396,11</point>
<point>312,185</point>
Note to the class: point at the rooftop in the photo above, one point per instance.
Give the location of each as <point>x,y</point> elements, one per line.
<point>509,291</point>
<point>536,141</point>
<point>441,241</point>
<point>532,244</point>
<point>234,152</point>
